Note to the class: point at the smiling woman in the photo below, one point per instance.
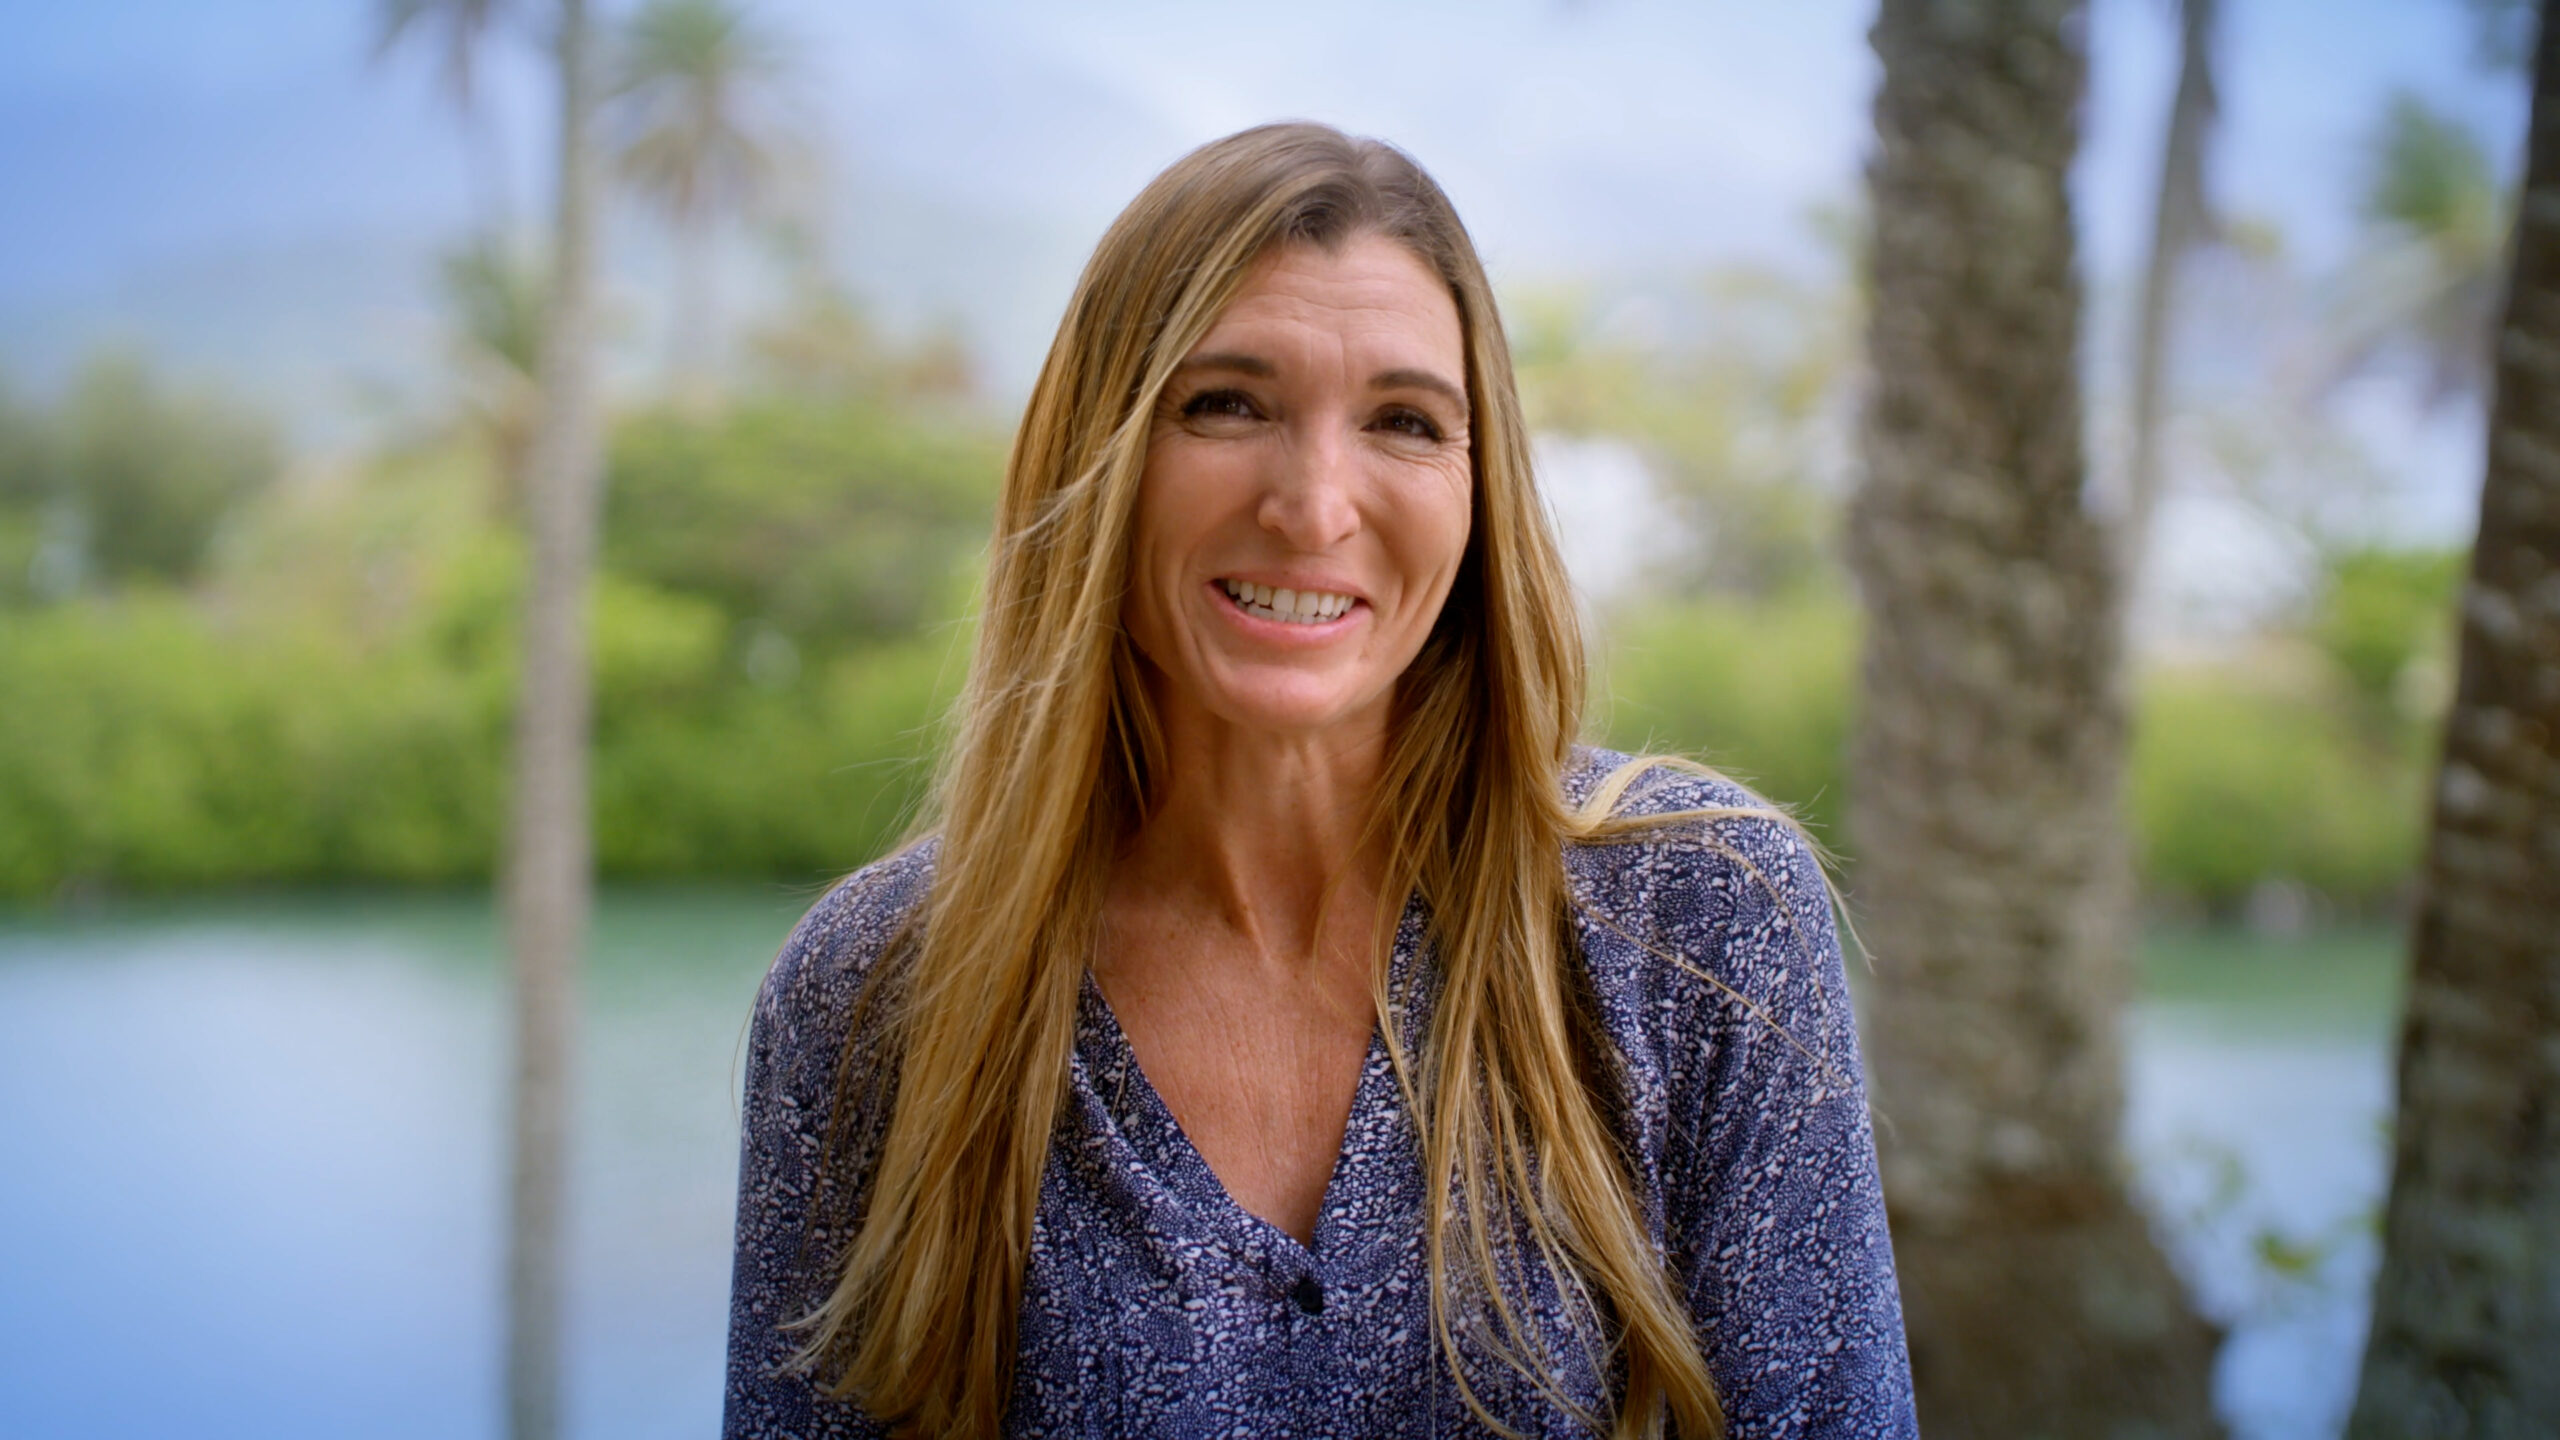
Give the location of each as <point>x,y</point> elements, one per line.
<point>1283,1026</point>
<point>1305,501</point>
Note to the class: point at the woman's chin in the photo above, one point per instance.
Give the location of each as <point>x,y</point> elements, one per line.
<point>1299,706</point>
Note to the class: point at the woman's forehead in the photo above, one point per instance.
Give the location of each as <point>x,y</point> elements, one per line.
<point>1369,291</point>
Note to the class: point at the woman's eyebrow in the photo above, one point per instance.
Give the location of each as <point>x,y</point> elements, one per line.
<point>1421,380</point>
<point>1240,363</point>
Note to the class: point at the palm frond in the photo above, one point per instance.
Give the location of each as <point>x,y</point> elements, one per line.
<point>458,27</point>
<point>498,300</point>
<point>689,83</point>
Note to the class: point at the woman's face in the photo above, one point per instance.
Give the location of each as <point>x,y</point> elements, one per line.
<point>1307,493</point>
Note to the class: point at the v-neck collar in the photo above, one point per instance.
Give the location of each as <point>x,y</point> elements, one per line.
<point>1378,1139</point>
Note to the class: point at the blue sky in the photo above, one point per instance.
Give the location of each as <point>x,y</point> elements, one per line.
<point>234,185</point>
<point>1577,136</point>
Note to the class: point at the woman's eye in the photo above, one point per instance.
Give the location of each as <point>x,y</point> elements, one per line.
<point>1410,422</point>
<point>1219,402</point>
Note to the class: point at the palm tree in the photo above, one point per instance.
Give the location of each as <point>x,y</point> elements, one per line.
<point>498,299</point>
<point>2465,1327</point>
<point>691,138</point>
<point>548,881</point>
<point>2181,220</point>
<point>1984,804</point>
<point>460,28</point>
<point>550,847</point>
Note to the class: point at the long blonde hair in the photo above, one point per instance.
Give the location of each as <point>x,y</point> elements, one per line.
<point>1053,762</point>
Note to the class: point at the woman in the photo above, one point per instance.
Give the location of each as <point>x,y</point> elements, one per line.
<point>1285,1028</point>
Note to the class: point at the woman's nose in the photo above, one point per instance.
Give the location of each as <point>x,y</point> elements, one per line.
<point>1308,500</point>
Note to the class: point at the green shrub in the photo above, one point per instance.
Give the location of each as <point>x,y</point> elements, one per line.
<point>802,782</point>
<point>146,747</point>
<point>152,473</point>
<point>2234,783</point>
<point>1761,691</point>
<point>829,524</point>
<point>772,666</point>
<point>2380,617</point>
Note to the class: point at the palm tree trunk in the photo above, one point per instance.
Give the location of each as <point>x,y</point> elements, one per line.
<point>2178,222</point>
<point>489,175</point>
<point>1985,811</point>
<point>549,862</point>
<point>2466,1325</point>
<point>691,334</point>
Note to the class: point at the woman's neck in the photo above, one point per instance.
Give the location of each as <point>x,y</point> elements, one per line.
<point>1262,834</point>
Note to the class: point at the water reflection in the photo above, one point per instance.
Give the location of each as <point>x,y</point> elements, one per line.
<point>2259,1099</point>
<point>250,1186</point>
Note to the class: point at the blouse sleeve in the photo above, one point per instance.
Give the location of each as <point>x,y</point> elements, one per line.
<point>1779,1229</point>
<point>785,1252</point>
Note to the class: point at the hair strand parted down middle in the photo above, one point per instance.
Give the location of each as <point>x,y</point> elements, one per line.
<point>1050,767</point>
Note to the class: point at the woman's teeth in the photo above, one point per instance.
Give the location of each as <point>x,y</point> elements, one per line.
<point>1295,607</point>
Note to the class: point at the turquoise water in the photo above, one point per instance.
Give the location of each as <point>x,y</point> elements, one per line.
<point>249,1182</point>
<point>252,1187</point>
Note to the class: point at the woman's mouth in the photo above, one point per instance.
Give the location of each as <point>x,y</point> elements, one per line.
<point>1288,607</point>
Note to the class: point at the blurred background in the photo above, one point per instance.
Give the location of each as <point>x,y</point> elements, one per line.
<point>270,300</point>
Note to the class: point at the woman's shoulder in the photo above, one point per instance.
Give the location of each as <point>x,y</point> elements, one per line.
<point>1641,811</point>
<point>1710,945</point>
<point>839,942</point>
<point>1692,887</point>
<point>1651,784</point>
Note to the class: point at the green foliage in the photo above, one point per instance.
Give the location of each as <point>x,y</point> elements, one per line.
<point>2318,979</point>
<point>497,298</point>
<point>153,472</point>
<point>25,487</point>
<point>149,745</point>
<point>125,480</point>
<point>827,524</point>
<point>2385,618</point>
<point>23,459</point>
<point>2235,779</point>
<point>335,704</point>
<point>146,747</point>
<point>2235,782</point>
<point>2425,171</point>
<point>2240,776</point>
<point>806,781</point>
<point>1760,691</point>
<point>778,631</point>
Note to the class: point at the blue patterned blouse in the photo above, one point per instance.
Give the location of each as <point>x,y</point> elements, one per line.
<point>1154,1305</point>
